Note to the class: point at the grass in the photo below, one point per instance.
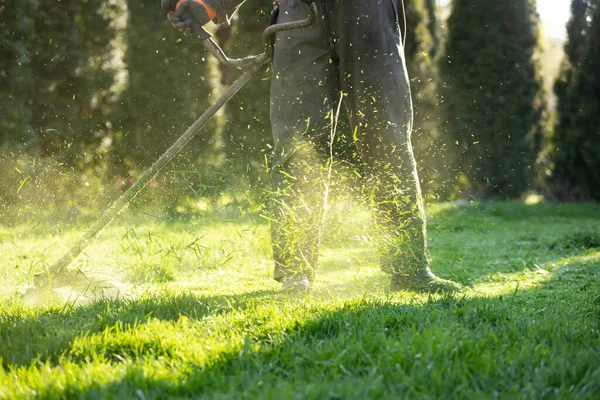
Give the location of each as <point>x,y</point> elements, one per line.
<point>203,319</point>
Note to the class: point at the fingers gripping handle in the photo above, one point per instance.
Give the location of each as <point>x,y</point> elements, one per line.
<point>253,62</point>
<point>196,27</point>
<point>184,20</point>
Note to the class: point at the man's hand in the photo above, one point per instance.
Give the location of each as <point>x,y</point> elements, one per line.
<point>185,21</point>
<point>190,16</point>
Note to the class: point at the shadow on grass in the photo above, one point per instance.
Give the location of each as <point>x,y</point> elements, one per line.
<point>538,343</point>
<point>47,335</point>
<point>534,344</point>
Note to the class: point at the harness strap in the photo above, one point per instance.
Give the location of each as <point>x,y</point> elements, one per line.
<point>272,21</point>
<point>326,16</point>
<point>402,21</point>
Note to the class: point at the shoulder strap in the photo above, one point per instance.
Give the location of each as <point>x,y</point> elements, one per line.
<point>402,20</point>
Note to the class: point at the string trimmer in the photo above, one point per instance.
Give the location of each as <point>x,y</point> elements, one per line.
<point>56,275</point>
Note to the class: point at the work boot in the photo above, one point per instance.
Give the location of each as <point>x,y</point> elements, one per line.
<point>424,281</point>
<point>296,284</point>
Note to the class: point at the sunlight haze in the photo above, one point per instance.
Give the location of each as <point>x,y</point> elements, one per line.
<point>554,15</point>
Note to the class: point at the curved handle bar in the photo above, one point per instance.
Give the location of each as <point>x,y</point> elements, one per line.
<point>255,62</point>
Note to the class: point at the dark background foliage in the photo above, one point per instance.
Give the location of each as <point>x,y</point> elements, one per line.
<point>577,135</point>
<point>492,95</point>
<point>95,90</point>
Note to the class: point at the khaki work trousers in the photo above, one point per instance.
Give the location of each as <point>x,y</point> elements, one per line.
<point>368,67</point>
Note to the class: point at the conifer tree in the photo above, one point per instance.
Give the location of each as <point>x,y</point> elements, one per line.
<point>56,66</point>
<point>57,73</point>
<point>578,91</point>
<point>171,82</point>
<point>492,95</point>
<point>433,27</point>
<point>16,75</point>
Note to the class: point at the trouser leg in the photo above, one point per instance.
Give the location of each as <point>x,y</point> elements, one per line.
<point>373,74</point>
<point>302,91</point>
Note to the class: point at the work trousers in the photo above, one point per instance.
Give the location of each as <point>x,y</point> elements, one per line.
<point>367,72</point>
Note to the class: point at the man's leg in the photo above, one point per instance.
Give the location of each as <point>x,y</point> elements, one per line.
<point>374,75</point>
<point>302,87</point>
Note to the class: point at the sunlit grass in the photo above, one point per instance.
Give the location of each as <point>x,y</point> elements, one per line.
<point>201,316</point>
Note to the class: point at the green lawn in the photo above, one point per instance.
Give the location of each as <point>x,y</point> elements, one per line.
<point>199,317</point>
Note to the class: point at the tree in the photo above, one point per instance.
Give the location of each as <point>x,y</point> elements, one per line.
<point>16,74</point>
<point>433,26</point>
<point>492,96</point>
<point>578,92</point>
<point>171,81</point>
<point>58,67</point>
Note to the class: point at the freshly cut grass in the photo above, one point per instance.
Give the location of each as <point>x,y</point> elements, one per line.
<point>203,319</point>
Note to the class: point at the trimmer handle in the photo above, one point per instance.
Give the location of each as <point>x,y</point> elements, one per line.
<point>256,62</point>
<point>197,28</point>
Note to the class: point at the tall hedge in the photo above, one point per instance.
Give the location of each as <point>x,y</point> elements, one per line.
<point>17,25</point>
<point>577,136</point>
<point>58,68</point>
<point>492,96</point>
<point>171,81</point>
